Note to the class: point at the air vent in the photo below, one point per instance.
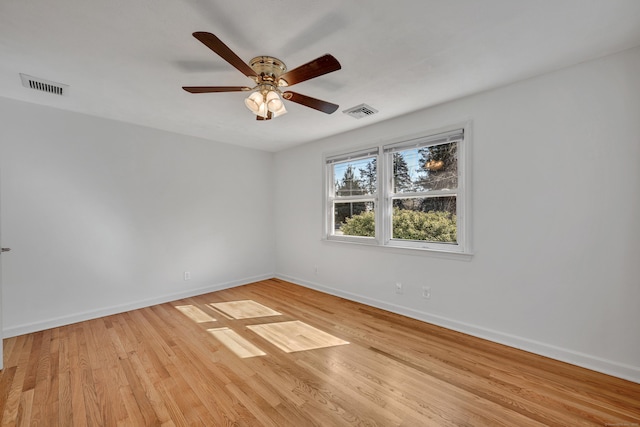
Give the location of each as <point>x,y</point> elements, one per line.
<point>43,85</point>
<point>360,111</point>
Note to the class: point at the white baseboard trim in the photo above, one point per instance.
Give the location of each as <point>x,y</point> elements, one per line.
<point>620,370</point>
<point>108,311</point>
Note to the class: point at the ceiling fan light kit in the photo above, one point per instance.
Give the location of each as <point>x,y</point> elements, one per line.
<point>270,74</point>
<point>265,102</point>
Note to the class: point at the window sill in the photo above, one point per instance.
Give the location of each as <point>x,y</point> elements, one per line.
<point>438,253</point>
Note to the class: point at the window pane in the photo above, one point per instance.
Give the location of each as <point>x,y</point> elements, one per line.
<point>354,219</point>
<point>431,219</point>
<point>426,168</point>
<point>355,178</point>
<point>406,171</point>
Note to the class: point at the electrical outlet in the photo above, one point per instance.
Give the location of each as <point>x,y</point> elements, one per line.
<point>187,275</point>
<point>315,270</point>
<point>398,288</point>
<point>426,292</point>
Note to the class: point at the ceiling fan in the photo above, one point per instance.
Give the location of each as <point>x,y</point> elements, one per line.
<point>270,75</point>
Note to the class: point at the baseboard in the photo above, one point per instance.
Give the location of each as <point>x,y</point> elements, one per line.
<point>627,372</point>
<point>108,311</point>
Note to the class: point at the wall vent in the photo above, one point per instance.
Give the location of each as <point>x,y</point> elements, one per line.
<point>43,85</point>
<point>360,111</point>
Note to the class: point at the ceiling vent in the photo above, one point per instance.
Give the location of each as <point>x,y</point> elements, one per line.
<point>43,85</point>
<point>360,111</point>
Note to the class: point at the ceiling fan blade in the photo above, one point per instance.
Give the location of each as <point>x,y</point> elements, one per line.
<point>319,66</point>
<point>216,45</point>
<point>209,89</point>
<point>307,101</point>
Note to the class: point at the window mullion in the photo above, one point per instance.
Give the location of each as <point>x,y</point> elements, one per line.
<point>385,181</point>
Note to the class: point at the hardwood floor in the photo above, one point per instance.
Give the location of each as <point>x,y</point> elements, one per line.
<point>163,365</point>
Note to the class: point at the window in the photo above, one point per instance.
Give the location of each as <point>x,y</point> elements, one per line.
<point>408,194</point>
<point>353,192</point>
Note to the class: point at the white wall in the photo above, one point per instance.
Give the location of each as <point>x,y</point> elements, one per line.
<point>556,220</point>
<point>104,216</point>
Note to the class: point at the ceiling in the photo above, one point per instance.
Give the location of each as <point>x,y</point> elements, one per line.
<point>127,60</point>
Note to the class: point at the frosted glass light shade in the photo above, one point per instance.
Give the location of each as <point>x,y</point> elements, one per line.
<point>275,104</point>
<point>255,103</point>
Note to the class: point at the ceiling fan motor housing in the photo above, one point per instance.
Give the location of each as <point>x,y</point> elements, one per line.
<point>268,69</point>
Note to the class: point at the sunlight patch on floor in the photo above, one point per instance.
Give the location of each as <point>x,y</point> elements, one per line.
<point>295,336</point>
<point>246,309</point>
<point>195,314</point>
<point>234,342</point>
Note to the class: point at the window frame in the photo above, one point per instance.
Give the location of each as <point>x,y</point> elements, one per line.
<point>383,198</point>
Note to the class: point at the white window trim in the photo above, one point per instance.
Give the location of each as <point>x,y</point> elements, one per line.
<point>382,198</point>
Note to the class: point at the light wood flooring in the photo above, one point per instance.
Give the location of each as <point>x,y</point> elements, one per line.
<point>188,363</point>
